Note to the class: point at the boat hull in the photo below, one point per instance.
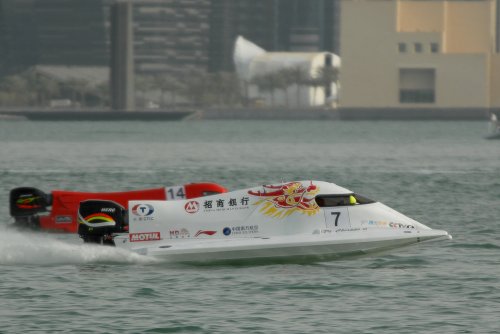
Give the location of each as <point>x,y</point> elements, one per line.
<point>296,247</point>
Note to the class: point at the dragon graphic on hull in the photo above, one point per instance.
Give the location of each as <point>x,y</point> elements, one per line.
<point>280,201</point>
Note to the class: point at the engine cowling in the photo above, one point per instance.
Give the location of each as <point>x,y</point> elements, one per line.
<point>98,220</point>
<point>26,203</point>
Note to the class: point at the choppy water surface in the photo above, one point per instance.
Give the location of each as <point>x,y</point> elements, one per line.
<point>440,173</point>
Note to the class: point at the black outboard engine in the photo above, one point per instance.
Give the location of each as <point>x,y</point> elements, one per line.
<point>98,220</point>
<point>25,205</point>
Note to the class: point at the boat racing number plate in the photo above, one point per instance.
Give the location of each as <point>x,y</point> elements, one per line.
<point>175,193</point>
<point>337,217</point>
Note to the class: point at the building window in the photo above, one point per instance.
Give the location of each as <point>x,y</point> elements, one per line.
<point>434,47</point>
<point>328,60</point>
<point>416,96</point>
<point>417,85</point>
<point>402,47</point>
<point>418,47</point>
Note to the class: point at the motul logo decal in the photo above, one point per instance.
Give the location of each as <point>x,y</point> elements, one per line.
<point>150,236</point>
<point>192,207</point>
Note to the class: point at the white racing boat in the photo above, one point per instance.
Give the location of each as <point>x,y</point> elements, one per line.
<point>294,219</point>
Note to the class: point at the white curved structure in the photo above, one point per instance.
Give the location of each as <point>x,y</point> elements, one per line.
<point>251,61</point>
<point>244,52</point>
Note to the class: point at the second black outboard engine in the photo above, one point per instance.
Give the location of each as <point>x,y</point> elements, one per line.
<point>26,203</point>
<point>99,219</point>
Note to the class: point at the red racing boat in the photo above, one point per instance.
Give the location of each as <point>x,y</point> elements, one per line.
<point>57,211</point>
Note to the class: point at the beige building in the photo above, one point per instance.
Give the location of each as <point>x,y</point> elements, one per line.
<point>420,54</point>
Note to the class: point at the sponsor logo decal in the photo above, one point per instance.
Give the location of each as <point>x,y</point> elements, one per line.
<point>64,219</point>
<point>381,223</point>
<point>241,230</point>
<point>99,218</point>
<point>226,204</point>
<point>354,229</point>
<point>146,236</point>
<point>110,210</point>
<point>28,202</point>
<point>399,225</point>
<point>143,210</point>
<point>280,201</point>
<point>179,234</point>
<point>200,232</point>
<point>192,207</point>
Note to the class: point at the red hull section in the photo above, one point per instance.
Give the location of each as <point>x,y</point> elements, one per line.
<point>63,215</point>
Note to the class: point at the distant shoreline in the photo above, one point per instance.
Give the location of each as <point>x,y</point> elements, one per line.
<point>96,115</point>
<point>225,113</point>
<point>349,114</point>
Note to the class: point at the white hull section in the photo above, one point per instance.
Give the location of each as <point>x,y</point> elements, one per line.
<point>275,247</point>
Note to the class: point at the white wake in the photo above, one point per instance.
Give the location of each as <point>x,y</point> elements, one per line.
<point>19,247</point>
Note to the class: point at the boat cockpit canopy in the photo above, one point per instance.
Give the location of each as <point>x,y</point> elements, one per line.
<point>341,200</point>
